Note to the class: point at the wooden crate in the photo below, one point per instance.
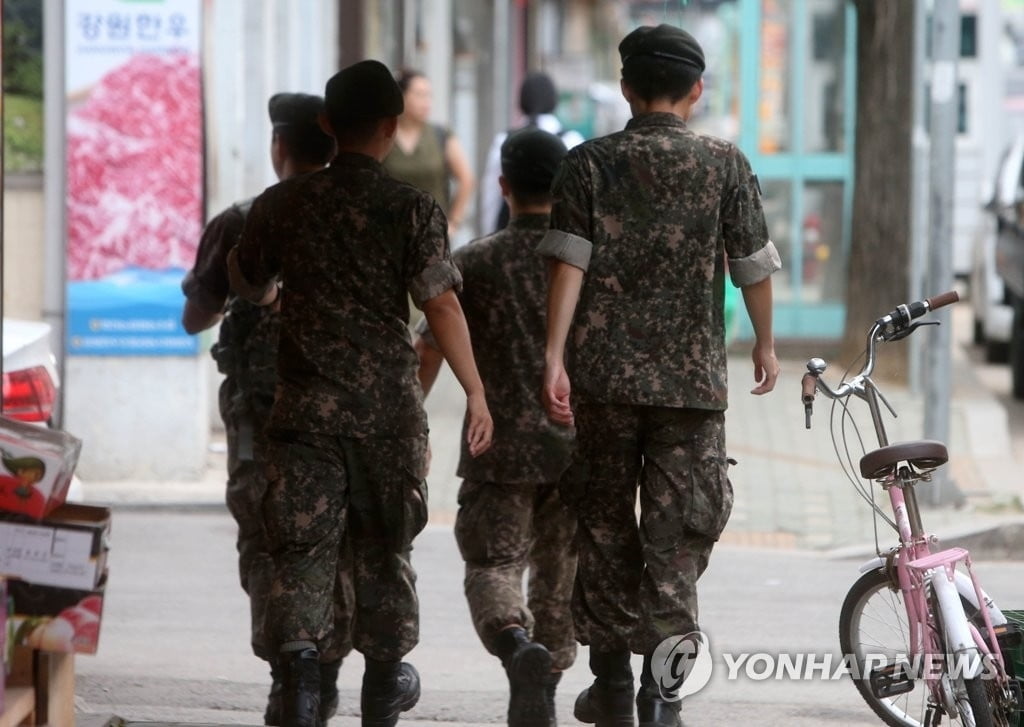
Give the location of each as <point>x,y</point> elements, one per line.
<point>40,689</point>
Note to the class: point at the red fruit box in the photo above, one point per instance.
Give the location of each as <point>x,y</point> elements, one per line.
<point>51,618</point>
<point>36,465</point>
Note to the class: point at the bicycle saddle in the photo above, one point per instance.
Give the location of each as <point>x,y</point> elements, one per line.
<point>925,454</point>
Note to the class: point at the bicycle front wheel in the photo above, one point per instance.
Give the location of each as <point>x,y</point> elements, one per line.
<point>873,624</point>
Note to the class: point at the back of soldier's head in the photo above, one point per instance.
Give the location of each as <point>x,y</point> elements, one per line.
<point>661,62</point>
<point>358,97</point>
<point>529,159</point>
<point>295,121</point>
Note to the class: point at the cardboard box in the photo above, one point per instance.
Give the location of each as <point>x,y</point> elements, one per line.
<point>67,549</point>
<point>55,619</point>
<point>36,465</point>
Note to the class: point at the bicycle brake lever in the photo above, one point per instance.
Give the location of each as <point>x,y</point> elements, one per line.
<point>904,332</point>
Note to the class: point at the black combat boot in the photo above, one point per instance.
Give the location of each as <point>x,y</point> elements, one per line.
<point>329,689</point>
<point>389,688</point>
<point>272,717</point>
<point>300,695</point>
<point>655,705</point>
<point>608,702</point>
<point>549,693</point>
<point>528,665</point>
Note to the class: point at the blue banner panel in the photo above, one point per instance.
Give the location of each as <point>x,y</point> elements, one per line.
<point>135,312</point>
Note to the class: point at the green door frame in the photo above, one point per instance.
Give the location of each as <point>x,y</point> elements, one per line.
<point>797,318</point>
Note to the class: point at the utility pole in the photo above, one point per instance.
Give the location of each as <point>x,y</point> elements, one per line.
<point>942,130</point>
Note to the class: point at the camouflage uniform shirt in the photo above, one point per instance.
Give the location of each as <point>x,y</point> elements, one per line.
<point>349,244</point>
<point>504,302</point>
<point>649,326</point>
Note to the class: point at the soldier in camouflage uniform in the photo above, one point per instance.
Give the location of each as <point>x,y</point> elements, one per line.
<point>642,224</point>
<point>510,514</point>
<point>246,353</point>
<point>347,433</point>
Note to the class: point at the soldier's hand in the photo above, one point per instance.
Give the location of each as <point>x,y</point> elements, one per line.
<point>766,368</point>
<point>555,395</point>
<point>481,427</point>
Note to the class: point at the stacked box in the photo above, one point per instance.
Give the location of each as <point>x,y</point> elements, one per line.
<point>67,549</point>
<point>36,465</point>
<point>52,618</point>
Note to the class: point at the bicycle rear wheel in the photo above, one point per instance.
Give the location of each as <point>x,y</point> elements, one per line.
<point>873,623</point>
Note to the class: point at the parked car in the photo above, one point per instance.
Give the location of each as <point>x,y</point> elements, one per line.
<point>990,303</point>
<point>1007,208</point>
<point>31,384</point>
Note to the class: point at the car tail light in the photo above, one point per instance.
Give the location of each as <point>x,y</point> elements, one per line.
<point>29,394</point>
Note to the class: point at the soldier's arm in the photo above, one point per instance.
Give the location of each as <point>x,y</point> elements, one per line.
<point>195,319</point>
<point>430,357</point>
<point>758,299</point>
<point>206,285</point>
<point>753,259</point>
<point>448,325</point>
<point>568,249</point>
<point>565,281</point>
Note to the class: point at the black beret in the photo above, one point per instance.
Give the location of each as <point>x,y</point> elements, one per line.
<point>537,95</point>
<point>531,157</point>
<point>663,41</point>
<point>295,109</point>
<point>364,90</point>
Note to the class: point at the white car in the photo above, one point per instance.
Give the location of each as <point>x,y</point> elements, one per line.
<point>993,313</point>
<point>31,384</point>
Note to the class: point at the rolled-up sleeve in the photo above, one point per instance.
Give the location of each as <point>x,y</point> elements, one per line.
<point>570,237</point>
<point>567,247</point>
<point>755,267</point>
<point>434,280</point>
<point>429,270</point>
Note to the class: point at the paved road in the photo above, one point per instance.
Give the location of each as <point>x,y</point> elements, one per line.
<point>173,646</point>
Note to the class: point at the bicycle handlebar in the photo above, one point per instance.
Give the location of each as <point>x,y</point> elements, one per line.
<point>892,326</point>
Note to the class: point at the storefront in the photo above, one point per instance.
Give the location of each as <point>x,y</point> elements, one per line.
<point>780,83</point>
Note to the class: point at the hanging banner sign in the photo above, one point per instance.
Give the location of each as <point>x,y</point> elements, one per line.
<point>134,173</point>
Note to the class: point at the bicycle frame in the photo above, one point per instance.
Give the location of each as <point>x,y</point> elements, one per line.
<point>919,571</point>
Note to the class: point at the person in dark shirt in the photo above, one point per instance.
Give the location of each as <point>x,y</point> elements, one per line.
<point>344,249</point>
<point>510,515</point>
<point>642,225</point>
<point>246,353</point>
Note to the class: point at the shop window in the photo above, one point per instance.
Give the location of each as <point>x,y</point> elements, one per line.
<point>821,238</point>
<point>824,96</point>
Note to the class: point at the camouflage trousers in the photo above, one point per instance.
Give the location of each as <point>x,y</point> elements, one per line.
<point>247,485</point>
<point>322,490</point>
<point>502,530</point>
<point>636,582</point>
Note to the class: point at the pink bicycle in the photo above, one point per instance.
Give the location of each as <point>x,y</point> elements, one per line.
<point>922,638</point>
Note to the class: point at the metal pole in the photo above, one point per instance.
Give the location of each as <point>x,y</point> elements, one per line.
<point>918,193</point>
<point>942,149</point>
<point>54,185</point>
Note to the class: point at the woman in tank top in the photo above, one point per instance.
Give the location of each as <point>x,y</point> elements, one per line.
<point>428,156</point>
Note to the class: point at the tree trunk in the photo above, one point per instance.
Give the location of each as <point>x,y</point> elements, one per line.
<point>878,275</point>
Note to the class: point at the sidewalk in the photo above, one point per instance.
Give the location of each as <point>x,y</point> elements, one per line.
<point>790,490</point>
